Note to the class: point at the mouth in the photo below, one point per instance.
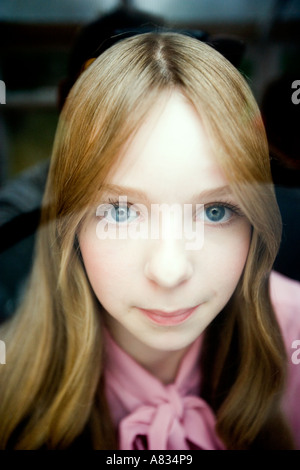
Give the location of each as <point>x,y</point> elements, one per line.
<point>165,318</point>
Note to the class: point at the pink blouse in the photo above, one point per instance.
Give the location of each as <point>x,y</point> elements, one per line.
<point>285,296</point>
<point>151,415</point>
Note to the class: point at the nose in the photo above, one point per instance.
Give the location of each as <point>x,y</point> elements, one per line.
<point>168,265</point>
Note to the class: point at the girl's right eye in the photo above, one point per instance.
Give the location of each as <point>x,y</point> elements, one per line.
<point>117,213</point>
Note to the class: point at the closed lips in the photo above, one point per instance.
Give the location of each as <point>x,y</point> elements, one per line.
<point>168,318</point>
<point>169,314</point>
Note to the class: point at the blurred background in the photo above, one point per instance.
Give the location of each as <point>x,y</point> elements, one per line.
<point>36,37</point>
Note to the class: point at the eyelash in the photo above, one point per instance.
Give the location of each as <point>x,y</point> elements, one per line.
<point>116,204</point>
<point>235,210</point>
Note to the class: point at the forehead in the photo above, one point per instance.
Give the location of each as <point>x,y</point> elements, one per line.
<point>170,152</point>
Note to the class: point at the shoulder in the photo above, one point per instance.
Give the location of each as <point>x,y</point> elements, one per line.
<point>285,298</point>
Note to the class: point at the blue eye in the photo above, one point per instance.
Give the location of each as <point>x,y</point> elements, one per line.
<point>217,213</point>
<point>121,214</point>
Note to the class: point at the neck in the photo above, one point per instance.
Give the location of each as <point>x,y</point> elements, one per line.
<point>161,364</point>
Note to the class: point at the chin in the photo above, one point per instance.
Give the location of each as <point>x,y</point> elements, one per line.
<point>171,341</point>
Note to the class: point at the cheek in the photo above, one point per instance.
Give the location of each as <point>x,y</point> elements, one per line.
<point>226,258</point>
<point>106,265</point>
<point>235,257</point>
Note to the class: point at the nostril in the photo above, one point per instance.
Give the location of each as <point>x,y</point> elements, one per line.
<point>168,275</point>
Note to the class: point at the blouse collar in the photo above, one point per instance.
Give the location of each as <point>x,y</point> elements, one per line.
<point>151,415</point>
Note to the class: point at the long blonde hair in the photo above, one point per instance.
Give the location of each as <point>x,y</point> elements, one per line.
<point>52,385</point>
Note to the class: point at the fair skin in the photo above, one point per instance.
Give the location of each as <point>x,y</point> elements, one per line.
<point>168,161</point>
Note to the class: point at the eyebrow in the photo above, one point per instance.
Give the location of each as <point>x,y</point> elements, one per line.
<point>118,190</point>
<point>137,194</point>
<point>214,193</point>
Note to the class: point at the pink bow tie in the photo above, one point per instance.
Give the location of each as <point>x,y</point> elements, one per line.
<point>154,416</point>
<point>179,423</point>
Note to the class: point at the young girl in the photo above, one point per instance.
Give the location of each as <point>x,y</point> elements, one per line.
<point>135,338</point>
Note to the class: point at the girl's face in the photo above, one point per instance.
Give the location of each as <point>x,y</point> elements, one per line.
<point>157,291</point>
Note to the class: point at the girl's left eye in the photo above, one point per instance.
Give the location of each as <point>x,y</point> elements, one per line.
<point>217,213</point>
